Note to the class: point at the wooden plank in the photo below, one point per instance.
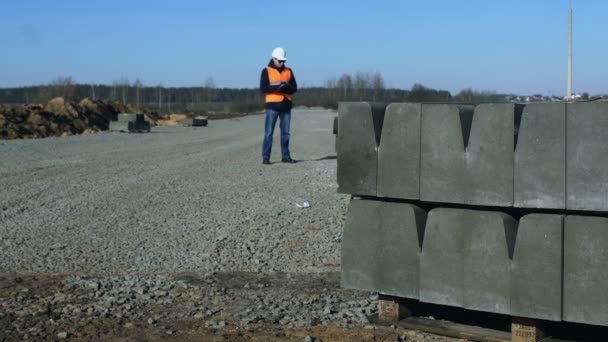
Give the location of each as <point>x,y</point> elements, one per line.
<point>445,328</point>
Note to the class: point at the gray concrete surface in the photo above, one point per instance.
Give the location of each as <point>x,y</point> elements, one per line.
<point>399,152</point>
<point>357,143</point>
<point>442,161</point>
<point>489,156</point>
<point>465,259</point>
<point>130,117</point>
<point>488,241</point>
<point>536,268</point>
<point>381,250</point>
<point>585,276</point>
<point>175,200</point>
<point>587,151</point>
<point>540,157</point>
<point>442,258</point>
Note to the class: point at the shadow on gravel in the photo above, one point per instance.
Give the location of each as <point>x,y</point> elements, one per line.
<point>318,159</point>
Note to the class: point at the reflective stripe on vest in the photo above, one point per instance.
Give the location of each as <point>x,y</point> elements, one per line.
<point>275,77</point>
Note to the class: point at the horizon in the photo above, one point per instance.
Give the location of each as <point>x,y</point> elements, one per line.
<point>131,85</point>
<point>514,48</point>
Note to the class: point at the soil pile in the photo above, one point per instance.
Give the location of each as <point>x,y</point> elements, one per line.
<point>61,118</point>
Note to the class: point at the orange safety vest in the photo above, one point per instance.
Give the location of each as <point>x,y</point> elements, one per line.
<point>276,77</point>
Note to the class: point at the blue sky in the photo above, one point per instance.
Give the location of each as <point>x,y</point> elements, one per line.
<point>515,46</point>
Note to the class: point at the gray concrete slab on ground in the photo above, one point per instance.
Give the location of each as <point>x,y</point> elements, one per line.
<point>442,162</point>
<point>360,126</point>
<point>587,156</point>
<point>399,152</point>
<point>465,259</point>
<point>540,157</point>
<point>381,247</point>
<point>489,155</point>
<point>488,241</point>
<point>536,268</point>
<point>129,126</point>
<point>585,276</point>
<point>121,126</point>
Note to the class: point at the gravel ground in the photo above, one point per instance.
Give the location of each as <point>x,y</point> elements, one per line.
<point>176,200</point>
<point>181,234</point>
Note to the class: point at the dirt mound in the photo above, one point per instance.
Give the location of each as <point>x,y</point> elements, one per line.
<point>171,119</point>
<point>61,118</point>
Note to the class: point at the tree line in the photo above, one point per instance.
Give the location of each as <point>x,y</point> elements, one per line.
<point>360,86</point>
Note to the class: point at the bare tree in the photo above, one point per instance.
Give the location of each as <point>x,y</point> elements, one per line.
<point>62,86</point>
<point>123,84</point>
<point>345,82</point>
<point>137,84</point>
<point>209,89</point>
<point>160,97</point>
<point>377,83</point>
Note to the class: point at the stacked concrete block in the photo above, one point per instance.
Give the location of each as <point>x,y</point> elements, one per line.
<point>358,138</point>
<point>585,276</point>
<point>469,167</point>
<point>587,156</point>
<point>130,117</point>
<point>442,258</point>
<point>399,152</point>
<point>381,247</point>
<point>128,122</point>
<point>467,156</point>
<point>540,157</point>
<point>442,163</point>
<point>489,241</point>
<point>489,155</point>
<point>465,259</point>
<point>536,267</point>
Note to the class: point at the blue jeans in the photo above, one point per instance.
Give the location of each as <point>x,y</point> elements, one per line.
<point>271,120</point>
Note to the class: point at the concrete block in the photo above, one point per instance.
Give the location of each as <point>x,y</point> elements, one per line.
<point>442,258</point>
<point>587,156</point>
<point>442,161</point>
<point>122,126</point>
<point>129,126</point>
<point>381,247</point>
<point>130,117</point>
<point>335,127</point>
<point>360,126</point>
<point>466,155</point>
<point>536,268</point>
<point>194,122</point>
<point>489,238</point>
<point>540,157</point>
<point>585,276</point>
<point>399,152</point>
<point>465,259</point>
<point>489,155</point>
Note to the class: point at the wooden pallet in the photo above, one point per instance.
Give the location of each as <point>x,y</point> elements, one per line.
<point>398,312</point>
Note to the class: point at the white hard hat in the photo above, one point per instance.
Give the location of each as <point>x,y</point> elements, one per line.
<point>279,53</point>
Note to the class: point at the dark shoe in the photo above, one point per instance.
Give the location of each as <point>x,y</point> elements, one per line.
<point>288,160</point>
<point>266,162</point>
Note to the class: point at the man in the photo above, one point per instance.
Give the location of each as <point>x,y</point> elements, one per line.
<point>278,83</point>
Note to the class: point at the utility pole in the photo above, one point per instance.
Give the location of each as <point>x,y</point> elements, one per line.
<point>569,95</point>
